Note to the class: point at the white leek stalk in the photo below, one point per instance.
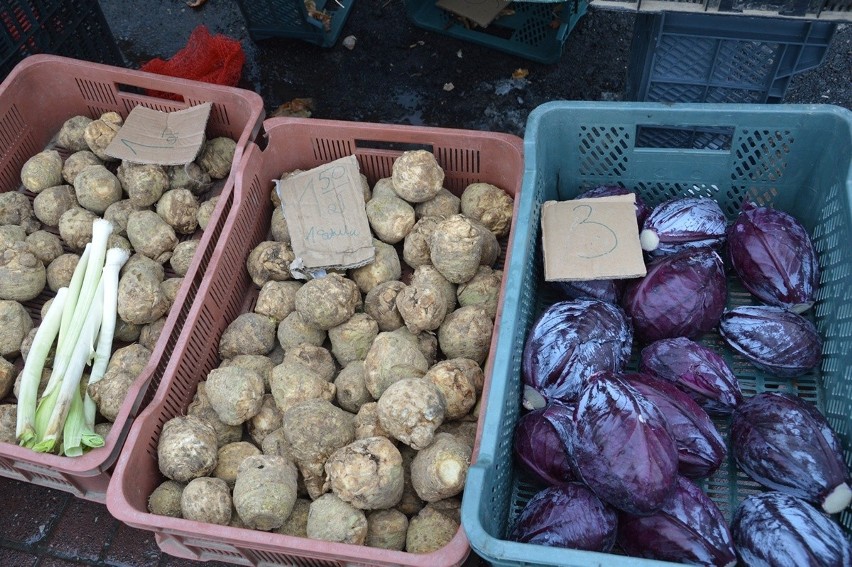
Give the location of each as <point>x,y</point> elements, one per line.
<point>101,229</point>
<point>70,385</point>
<point>115,259</point>
<point>25,431</point>
<point>77,336</point>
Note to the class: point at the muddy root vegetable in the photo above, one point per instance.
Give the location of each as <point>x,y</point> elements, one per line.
<point>351,340</point>
<point>277,299</point>
<point>292,383</point>
<point>415,248</point>
<point>439,471</point>
<point>392,358</point>
<point>429,531</point>
<point>489,205</point>
<point>482,290</point>
<point>100,132</point>
<point>351,388</point>
<point>15,324</point>
<point>270,260</point>
<point>423,308</point>
<point>207,499</point>
<point>49,205</point>
<point>72,133</point>
<point>385,267</point>
<point>151,235</point>
<point>380,304</point>
<point>416,176</point>
<point>235,393</point>
<point>466,333</point>
<point>386,529</point>
<point>293,330</point>
<point>296,524</point>
<point>165,500</point>
<point>230,457</point>
<point>265,491</point>
<point>216,157</point>
<point>97,188</point>
<point>328,301</point>
<point>444,204</point>
<point>141,299</point>
<point>367,473</point>
<point>315,429</point>
<point>390,218</point>
<point>41,171</point>
<point>412,409</point>
<point>187,449</point>
<point>456,248</point>
<point>457,379</point>
<point>22,274</point>
<point>332,519</point>
<point>249,333</point>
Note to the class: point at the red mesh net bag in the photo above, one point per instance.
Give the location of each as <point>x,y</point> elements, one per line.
<point>208,58</point>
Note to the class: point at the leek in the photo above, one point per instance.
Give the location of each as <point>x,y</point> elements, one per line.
<point>80,321</point>
<point>70,384</point>
<point>101,229</point>
<point>115,259</point>
<point>25,431</point>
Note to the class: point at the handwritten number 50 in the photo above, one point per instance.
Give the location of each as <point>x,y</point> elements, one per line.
<point>592,225</point>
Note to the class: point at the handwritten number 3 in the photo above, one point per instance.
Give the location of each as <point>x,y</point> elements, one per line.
<point>608,230</point>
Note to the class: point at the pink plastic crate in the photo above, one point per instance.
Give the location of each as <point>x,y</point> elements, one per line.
<point>227,291</point>
<point>35,100</point>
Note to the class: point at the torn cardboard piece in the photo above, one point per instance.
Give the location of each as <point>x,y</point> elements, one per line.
<point>326,217</point>
<point>591,239</point>
<point>481,12</point>
<point>163,138</point>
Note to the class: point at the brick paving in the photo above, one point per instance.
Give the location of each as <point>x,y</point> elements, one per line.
<point>42,527</point>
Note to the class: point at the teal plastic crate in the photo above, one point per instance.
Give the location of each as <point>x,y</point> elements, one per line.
<point>534,30</point>
<point>290,19</point>
<point>797,158</point>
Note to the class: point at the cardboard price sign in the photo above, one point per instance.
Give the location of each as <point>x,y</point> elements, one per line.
<point>482,12</point>
<point>326,216</point>
<point>164,138</point>
<point>590,239</point>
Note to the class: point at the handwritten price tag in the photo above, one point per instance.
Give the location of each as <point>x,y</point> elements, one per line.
<point>165,138</point>
<point>590,239</point>
<point>326,216</point>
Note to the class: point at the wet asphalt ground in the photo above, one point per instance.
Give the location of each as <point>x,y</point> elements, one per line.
<point>399,73</point>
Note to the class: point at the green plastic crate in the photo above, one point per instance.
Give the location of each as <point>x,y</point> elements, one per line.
<point>797,158</point>
<point>535,30</point>
<point>289,19</point>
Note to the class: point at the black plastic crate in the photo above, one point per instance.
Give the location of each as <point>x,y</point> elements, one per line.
<point>71,28</point>
<point>320,24</point>
<point>684,57</point>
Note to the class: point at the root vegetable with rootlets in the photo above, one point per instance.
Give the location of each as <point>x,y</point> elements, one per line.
<point>372,383</point>
<point>65,237</point>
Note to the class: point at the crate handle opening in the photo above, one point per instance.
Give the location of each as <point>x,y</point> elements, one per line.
<point>150,92</point>
<point>392,146</point>
<point>704,138</point>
